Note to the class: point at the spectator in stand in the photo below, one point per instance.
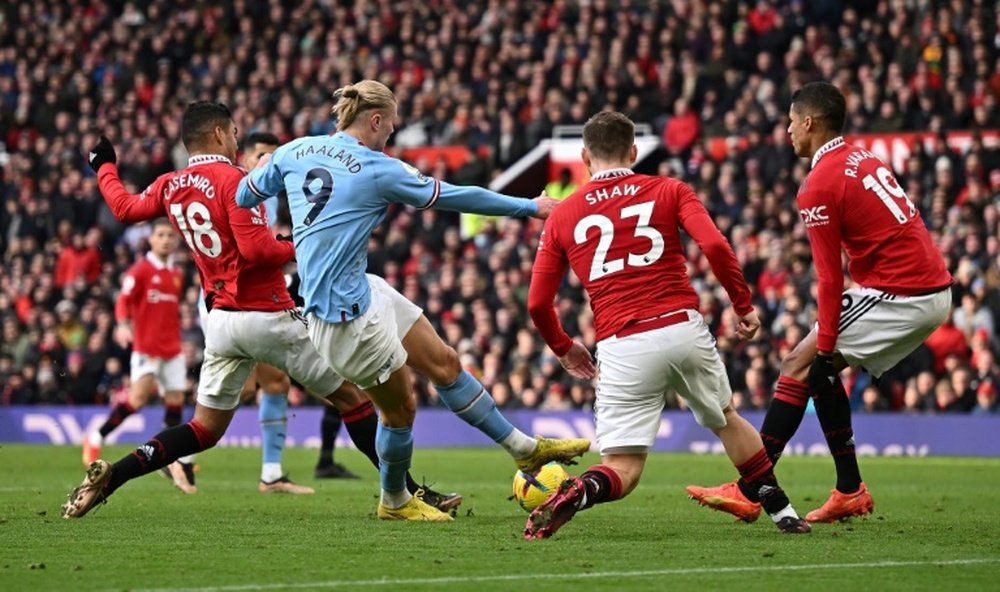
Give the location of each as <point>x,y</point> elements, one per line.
<point>986,399</point>
<point>946,341</point>
<point>972,317</point>
<point>71,332</point>
<point>682,129</point>
<point>79,259</point>
<point>945,399</point>
<point>562,187</point>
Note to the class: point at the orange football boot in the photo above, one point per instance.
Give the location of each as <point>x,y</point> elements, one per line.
<point>727,498</point>
<point>844,505</point>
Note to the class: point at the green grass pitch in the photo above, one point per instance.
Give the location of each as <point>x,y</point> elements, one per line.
<point>936,526</point>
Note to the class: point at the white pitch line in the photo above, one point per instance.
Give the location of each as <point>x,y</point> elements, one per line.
<point>578,576</point>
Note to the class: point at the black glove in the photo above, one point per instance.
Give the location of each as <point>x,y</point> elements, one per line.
<point>822,374</point>
<point>101,154</point>
<point>284,237</point>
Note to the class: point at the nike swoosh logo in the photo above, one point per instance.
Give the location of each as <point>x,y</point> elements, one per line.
<point>93,155</point>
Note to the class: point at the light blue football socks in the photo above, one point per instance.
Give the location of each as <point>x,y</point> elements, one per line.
<point>395,451</point>
<point>468,399</point>
<point>272,412</point>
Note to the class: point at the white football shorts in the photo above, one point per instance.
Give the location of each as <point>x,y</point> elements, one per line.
<point>170,373</point>
<point>368,348</point>
<point>236,340</point>
<point>635,373</point>
<point>877,329</point>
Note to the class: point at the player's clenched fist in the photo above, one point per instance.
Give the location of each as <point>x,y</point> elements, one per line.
<point>102,152</point>
<point>748,325</point>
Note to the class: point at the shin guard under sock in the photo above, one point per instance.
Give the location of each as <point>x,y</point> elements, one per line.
<point>161,450</point>
<point>758,483</point>
<point>602,484</point>
<point>362,424</point>
<point>467,399</point>
<point>834,413</point>
<point>784,415</point>
<point>395,450</point>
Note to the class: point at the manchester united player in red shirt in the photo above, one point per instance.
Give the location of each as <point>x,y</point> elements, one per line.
<point>252,317</point>
<point>851,201</point>
<point>620,233</point>
<point>148,313</point>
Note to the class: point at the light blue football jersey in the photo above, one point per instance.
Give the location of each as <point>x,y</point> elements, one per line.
<point>338,192</point>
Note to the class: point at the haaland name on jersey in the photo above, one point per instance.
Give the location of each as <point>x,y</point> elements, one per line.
<point>350,163</point>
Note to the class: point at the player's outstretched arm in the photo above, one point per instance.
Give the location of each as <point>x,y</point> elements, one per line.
<point>263,182</point>
<point>126,207</point>
<point>401,183</point>
<point>476,200</point>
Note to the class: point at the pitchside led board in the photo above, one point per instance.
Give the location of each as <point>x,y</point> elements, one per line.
<point>877,434</point>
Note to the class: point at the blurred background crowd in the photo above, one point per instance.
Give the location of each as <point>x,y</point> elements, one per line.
<point>497,76</point>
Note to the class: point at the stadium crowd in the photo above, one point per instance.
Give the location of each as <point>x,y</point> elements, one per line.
<point>497,76</point>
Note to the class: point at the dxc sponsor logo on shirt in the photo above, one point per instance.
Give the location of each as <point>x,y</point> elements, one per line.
<point>815,216</point>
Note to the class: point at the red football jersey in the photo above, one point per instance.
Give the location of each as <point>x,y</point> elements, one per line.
<point>150,297</point>
<point>239,260</point>
<point>851,199</point>
<point>621,235</point>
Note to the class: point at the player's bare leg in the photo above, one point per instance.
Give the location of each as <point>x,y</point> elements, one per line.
<point>103,479</point>
<point>139,394</point>
<point>249,392</point>
<point>394,445</point>
<point>466,397</point>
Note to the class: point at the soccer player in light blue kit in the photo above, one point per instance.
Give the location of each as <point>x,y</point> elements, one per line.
<point>339,188</point>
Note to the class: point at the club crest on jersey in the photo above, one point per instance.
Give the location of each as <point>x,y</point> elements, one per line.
<point>815,216</point>
<point>257,217</point>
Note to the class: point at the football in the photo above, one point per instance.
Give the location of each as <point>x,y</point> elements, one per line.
<point>532,489</point>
